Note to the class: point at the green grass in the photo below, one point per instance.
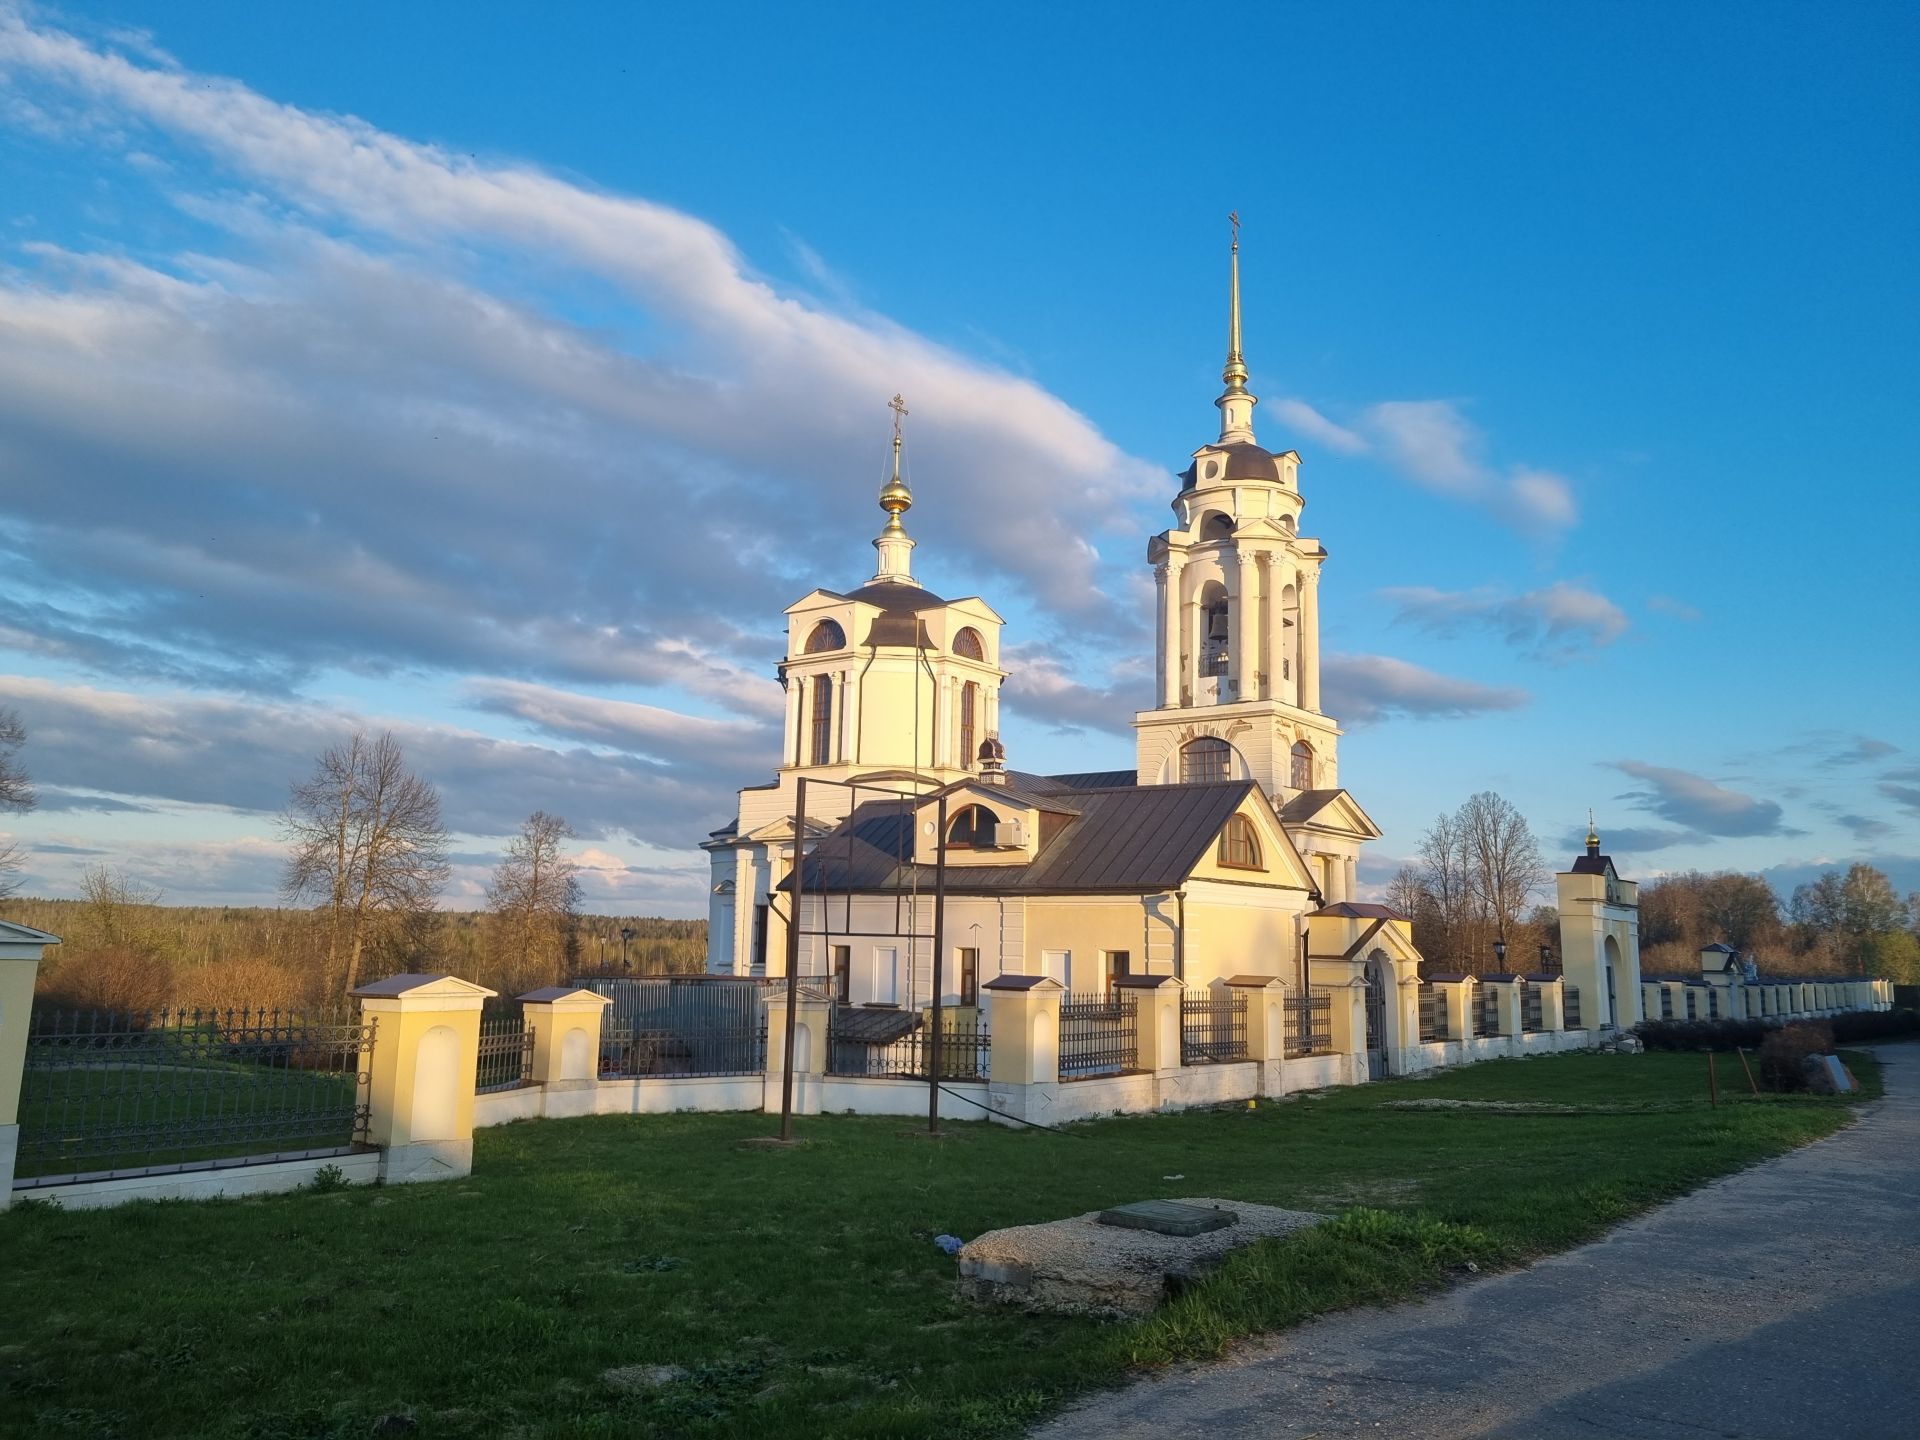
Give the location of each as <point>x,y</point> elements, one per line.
<point>800,1289</point>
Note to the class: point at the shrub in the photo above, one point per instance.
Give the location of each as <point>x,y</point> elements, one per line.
<point>1784,1055</point>
<point>327,1179</point>
<point>243,982</point>
<point>1858,1025</point>
<point>1702,1034</point>
<point>113,977</point>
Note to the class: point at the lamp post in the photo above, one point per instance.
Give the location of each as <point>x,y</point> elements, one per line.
<point>1546,959</point>
<point>1500,955</point>
<point>626,935</point>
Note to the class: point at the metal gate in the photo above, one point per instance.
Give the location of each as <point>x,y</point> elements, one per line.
<point>1376,1021</point>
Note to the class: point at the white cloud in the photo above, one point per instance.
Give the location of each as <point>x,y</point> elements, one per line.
<point>1553,623</point>
<point>1698,804</point>
<point>1364,689</point>
<point>1302,417</point>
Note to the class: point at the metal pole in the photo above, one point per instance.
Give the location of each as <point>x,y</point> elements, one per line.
<point>939,945</point>
<point>793,952</point>
<point>1749,1069</point>
<point>1713,1082</point>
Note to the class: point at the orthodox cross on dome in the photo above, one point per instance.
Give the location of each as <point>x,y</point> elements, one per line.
<point>894,545</point>
<point>1236,405</point>
<point>1593,835</point>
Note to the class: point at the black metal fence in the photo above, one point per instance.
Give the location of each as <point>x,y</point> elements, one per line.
<point>506,1052</point>
<point>1213,1027</point>
<point>1486,1010</point>
<point>1433,1014</point>
<point>133,1092</point>
<point>1570,1007</point>
<point>1309,1025</point>
<point>1532,1010</point>
<point>681,1025</point>
<point>1098,1035</point>
<point>1666,1003</point>
<point>966,1048</point>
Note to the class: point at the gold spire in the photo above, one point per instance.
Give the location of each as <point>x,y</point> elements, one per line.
<point>1235,375</point>
<point>1593,836</point>
<point>894,495</point>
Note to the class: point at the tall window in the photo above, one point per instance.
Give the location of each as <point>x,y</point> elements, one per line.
<point>1302,778</point>
<point>969,730</point>
<point>843,973</point>
<point>1205,759</point>
<point>969,645</point>
<point>1115,964</point>
<point>968,963</point>
<point>827,635</point>
<point>822,719</point>
<point>1240,844</point>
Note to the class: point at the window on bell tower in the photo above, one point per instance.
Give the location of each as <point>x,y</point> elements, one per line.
<point>1302,776</point>
<point>822,719</point>
<point>1205,759</point>
<point>969,727</point>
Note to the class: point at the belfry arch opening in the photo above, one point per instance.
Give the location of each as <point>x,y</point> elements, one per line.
<point>1216,628</point>
<point>1215,526</point>
<point>827,635</point>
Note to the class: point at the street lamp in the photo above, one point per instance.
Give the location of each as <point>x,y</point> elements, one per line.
<point>1500,955</point>
<point>626,935</point>
<point>1546,959</point>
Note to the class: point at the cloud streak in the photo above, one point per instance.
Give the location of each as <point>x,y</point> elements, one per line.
<point>1698,804</point>
<point>1555,623</point>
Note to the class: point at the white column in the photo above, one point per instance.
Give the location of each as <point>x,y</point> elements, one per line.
<point>1161,674</point>
<point>794,688</point>
<point>1174,675</point>
<point>1310,638</point>
<point>1236,575</point>
<point>841,697</point>
<point>1352,878</point>
<point>1269,625</point>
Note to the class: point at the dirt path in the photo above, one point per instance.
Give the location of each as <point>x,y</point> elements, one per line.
<point>1782,1303</point>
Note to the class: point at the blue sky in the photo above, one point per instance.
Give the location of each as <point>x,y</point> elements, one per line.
<point>498,376</point>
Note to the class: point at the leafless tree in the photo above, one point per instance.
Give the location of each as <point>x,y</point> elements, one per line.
<point>368,845</point>
<point>1448,886</point>
<point>535,894</point>
<point>1503,864</point>
<point>16,794</point>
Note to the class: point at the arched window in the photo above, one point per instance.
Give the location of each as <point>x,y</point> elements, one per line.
<point>1215,629</point>
<point>969,729</point>
<point>1302,777</point>
<point>1240,844</point>
<point>1216,527</point>
<point>968,645</point>
<point>827,635</point>
<point>1205,759</point>
<point>822,719</point>
<point>975,827</point>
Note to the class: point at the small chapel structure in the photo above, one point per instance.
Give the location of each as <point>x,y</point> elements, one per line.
<point>1229,851</point>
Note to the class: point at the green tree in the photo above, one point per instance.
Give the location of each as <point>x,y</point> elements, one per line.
<point>1858,909</point>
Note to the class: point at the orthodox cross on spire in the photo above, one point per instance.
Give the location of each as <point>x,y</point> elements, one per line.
<point>1236,405</point>
<point>895,499</point>
<point>1593,835</point>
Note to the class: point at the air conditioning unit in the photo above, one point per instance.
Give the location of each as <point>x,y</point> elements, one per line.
<point>1010,835</point>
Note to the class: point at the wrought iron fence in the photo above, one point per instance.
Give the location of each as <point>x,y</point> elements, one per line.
<point>1433,1014</point>
<point>1532,1011</point>
<point>1570,1007</point>
<point>132,1092</point>
<point>1098,1035</point>
<point>1486,1010</point>
<point>966,1048</point>
<point>1666,1003</point>
<point>506,1053</point>
<point>1309,1025</point>
<point>1213,1027</point>
<point>681,1025</point>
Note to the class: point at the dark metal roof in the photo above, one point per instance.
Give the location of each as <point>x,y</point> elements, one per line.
<point>1244,462</point>
<point>859,1025</point>
<point>1359,910</point>
<point>1307,804</point>
<point>1085,780</point>
<point>894,595</point>
<point>1593,865</point>
<point>1132,840</point>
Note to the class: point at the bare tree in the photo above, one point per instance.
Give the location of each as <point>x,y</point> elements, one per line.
<point>16,794</point>
<point>1502,859</point>
<point>535,894</point>
<point>368,845</point>
<point>1448,886</point>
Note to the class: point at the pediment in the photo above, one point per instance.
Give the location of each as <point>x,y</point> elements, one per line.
<point>1331,812</point>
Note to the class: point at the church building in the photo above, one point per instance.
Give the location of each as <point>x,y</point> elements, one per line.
<point>1206,861</point>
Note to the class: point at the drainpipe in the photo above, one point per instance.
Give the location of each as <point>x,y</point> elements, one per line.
<point>1180,936</point>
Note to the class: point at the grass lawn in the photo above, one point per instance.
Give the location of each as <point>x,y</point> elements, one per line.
<point>799,1290</point>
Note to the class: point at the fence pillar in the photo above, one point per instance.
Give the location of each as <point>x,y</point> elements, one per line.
<point>20,949</point>
<point>1456,993</point>
<point>1650,999</point>
<point>1348,1014</point>
<point>812,1025</point>
<point>1507,989</point>
<point>1266,998</point>
<point>1024,1017</point>
<point>1553,1002</point>
<point>1156,1019</point>
<point>426,1046</point>
<point>566,1027</point>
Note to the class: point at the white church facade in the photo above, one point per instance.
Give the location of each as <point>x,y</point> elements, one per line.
<point>1205,862</point>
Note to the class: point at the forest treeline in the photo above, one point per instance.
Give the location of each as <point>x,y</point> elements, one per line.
<point>123,951</point>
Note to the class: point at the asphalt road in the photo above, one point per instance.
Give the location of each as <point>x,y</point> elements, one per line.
<point>1782,1303</point>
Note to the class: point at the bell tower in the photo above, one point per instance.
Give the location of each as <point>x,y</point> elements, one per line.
<point>1237,613</point>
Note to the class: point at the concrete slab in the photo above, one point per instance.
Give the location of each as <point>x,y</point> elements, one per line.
<point>1083,1267</point>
